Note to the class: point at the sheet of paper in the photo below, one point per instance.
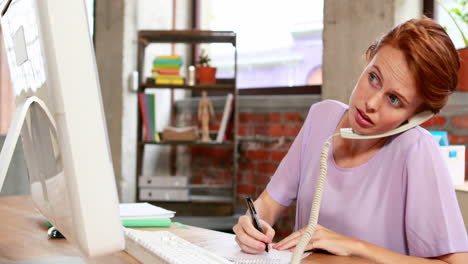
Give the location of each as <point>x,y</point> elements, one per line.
<point>143,210</point>
<point>229,249</point>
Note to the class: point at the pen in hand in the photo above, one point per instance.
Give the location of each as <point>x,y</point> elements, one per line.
<point>255,220</point>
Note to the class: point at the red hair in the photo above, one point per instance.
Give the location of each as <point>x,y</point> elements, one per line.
<point>431,56</point>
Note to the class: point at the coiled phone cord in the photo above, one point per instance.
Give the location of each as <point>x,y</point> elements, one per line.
<point>314,213</point>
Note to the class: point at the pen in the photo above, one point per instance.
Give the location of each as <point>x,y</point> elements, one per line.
<point>255,220</point>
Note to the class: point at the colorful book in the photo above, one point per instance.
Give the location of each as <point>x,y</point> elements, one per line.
<point>144,116</point>
<point>162,61</point>
<point>147,222</point>
<point>170,57</point>
<point>167,76</point>
<point>148,118</point>
<point>162,81</point>
<point>167,71</point>
<point>169,81</point>
<point>230,123</point>
<point>156,134</point>
<point>224,120</point>
<point>177,82</point>
<point>150,111</point>
<point>158,66</point>
<point>153,117</point>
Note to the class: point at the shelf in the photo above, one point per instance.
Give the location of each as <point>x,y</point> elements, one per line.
<point>221,84</point>
<point>195,143</point>
<point>199,199</point>
<point>186,36</point>
<point>206,186</point>
<point>201,207</point>
<point>203,199</point>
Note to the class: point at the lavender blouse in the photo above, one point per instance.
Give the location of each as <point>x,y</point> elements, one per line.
<point>402,199</point>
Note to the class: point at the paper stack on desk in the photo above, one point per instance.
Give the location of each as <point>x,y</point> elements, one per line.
<point>144,215</point>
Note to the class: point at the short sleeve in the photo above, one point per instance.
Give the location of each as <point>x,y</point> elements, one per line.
<point>434,224</point>
<point>284,184</point>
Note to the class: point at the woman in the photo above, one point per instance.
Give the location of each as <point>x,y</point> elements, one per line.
<point>389,200</point>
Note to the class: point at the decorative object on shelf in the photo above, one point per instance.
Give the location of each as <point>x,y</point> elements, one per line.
<point>166,70</point>
<point>180,133</point>
<point>191,75</point>
<point>205,73</point>
<point>459,15</point>
<point>205,111</point>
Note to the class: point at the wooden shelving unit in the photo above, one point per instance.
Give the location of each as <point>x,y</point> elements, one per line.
<point>201,203</point>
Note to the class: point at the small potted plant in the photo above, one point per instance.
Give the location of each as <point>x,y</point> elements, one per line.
<point>205,73</point>
<point>459,15</point>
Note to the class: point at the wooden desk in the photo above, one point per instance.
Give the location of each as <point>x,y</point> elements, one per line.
<point>23,235</point>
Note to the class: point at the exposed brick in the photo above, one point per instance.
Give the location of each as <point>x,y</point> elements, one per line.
<point>242,130</point>
<point>278,155</point>
<point>460,121</point>
<point>261,118</point>
<point>293,117</point>
<point>258,155</point>
<point>221,153</point>
<point>261,130</point>
<point>266,168</point>
<point>246,189</point>
<point>292,131</point>
<point>274,117</point>
<point>246,177</point>
<point>276,130</point>
<point>261,180</point>
<point>454,139</point>
<point>435,121</point>
<point>247,117</point>
<point>243,166</point>
<point>196,180</point>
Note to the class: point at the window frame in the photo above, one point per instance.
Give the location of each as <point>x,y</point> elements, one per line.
<point>428,10</point>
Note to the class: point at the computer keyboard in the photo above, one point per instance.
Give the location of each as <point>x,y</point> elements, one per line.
<point>165,247</point>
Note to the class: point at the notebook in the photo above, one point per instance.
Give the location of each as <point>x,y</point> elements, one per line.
<point>144,215</point>
<point>143,210</point>
<point>228,248</point>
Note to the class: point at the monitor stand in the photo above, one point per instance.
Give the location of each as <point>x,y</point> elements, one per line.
<point>15,129</point>
<point>7,153</point>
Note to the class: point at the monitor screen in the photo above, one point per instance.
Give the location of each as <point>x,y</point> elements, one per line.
<point>61,120</point>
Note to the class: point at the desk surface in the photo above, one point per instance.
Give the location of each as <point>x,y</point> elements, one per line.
<point>23,233</point>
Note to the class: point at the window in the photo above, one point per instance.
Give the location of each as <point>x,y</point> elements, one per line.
<point>444,19</point>
<point>279,43</point>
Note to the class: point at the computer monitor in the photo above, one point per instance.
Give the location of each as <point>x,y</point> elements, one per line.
<point>60,118</point>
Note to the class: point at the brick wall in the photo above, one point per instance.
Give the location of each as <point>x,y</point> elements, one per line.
<point>273,128</point>
<point>267,127</point>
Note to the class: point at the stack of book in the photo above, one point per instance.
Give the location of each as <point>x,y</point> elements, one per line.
<point>144,215</point>
<point>166,70</point>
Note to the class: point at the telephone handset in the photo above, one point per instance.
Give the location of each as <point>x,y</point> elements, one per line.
<point>345,133</point>
<point>416,120</point>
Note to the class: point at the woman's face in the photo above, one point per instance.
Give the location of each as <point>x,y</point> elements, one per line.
<point>385,95</point>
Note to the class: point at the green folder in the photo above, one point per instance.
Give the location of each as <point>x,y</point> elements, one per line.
<point>142,222</point>
<point>147,222</point>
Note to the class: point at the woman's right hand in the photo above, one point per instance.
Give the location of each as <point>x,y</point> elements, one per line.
<point>249,239</point>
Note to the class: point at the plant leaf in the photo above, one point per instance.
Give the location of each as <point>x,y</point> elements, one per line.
<point>456,11</point>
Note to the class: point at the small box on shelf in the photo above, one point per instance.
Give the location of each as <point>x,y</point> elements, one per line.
<point>180,134</point>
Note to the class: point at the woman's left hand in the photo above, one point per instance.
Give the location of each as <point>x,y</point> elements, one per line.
<point>323,238</point>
